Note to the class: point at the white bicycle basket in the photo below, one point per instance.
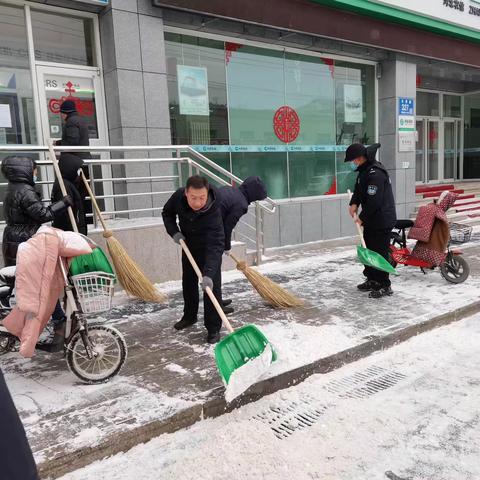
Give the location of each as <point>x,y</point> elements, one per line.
<point>94,291</point>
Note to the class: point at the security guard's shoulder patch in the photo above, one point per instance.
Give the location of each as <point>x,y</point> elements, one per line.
<point>372,189</point>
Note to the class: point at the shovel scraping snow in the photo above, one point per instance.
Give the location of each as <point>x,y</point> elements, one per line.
<point>244,355</point>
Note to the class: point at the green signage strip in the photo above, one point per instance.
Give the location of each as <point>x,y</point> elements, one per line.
<point>396,15</point>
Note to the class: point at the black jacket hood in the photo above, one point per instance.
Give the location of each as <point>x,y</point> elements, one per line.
<point>69,166</point>
<point>254,189</point>
<point>18,169</point>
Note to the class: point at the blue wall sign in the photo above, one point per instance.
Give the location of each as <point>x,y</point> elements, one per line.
<point>406,106</point>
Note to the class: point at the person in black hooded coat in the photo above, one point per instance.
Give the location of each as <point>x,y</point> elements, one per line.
<point>234,202</point>
<point>69,169</point>
<point>23,208</point>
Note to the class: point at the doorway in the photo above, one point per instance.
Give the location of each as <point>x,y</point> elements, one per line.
<point>84,87</point>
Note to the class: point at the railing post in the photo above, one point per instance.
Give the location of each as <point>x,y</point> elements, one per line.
<point>258,232</point>
<point>92,183</point>
<point>179,170</point>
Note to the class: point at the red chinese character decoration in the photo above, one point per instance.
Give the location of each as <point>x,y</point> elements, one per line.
<point>286,124</point>
<point>230,48</point>
<point>84,107</point>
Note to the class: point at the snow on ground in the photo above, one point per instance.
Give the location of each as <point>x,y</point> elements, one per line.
<point>408,413</point>
<point>167,371</point>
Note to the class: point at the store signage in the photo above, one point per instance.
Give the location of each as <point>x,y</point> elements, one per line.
<point>464,13</point>
<point>59,89</point>
<point>193,90</point>
<point>268,148</point>
<point>286,124</point>
<point>353,103</point>
<point>406,106</point>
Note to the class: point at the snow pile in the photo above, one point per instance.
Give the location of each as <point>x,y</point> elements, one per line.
<point>248,374</point>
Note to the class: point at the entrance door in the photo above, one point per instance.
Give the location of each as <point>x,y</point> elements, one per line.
<point>420,152</point>
<point>84,87</point>
<point>56,84</point>
<point>433,151</point>
<point>451,149</point>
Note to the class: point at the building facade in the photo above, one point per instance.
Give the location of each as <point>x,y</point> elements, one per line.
<point>277,88</point>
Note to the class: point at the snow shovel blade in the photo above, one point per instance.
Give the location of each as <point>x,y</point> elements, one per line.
<point>375,260</point>
<point>238,348</point>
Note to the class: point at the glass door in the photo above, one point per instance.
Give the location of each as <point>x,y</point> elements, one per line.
<point>433,157</point>
<point>451,149</point>
<point>84,87</point>
<point>420,152</point>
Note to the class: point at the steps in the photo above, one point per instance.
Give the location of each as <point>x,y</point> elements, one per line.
<point>466,208</point>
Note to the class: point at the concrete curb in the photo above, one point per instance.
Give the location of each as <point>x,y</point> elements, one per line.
<point>216,405</point>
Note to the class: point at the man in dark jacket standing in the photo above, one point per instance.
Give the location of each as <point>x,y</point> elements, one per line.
<point>234,204</point>
<point>373,192</point>
<point>74,134</point>
<point>74,130</point>
<point>201,227</point>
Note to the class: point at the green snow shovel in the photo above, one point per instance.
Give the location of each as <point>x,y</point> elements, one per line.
<point>240,346</point>
<point>368,257</point>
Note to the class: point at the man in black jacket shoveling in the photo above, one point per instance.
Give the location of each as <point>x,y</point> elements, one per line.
<point>201,227</point>
<point>234,202</point>
<point>373,192</point>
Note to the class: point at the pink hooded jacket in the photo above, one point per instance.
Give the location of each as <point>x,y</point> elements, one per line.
<point>39,282</point>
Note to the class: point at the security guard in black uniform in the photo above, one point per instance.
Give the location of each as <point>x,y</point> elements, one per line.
<point>373,192</point>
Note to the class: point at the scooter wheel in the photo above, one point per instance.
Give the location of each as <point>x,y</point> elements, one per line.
<point>455,269</point>
<point>110,354</point>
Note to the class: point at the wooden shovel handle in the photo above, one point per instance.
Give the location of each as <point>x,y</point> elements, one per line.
<point>94,201</point>
<point>359,228</point>
<point>61,183</point>
<point>212,297</point>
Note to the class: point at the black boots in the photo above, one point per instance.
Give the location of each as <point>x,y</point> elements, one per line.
<point>213,337</point>
<point>185,323</point>
<point>56,344</point>
<point>382,292</point>
<point>368,285</point>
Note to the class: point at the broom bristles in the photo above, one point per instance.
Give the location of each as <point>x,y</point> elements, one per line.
<point>270,291</point>
<point>130,276</point>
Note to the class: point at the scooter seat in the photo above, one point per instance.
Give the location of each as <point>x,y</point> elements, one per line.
<point>402,224</point>
<point>7,274</point>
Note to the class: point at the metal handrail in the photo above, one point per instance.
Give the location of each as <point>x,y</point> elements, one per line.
<point>212,172</point>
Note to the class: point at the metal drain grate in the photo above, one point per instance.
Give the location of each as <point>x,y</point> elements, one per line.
<point>287,417</point>
<point>363,384</point>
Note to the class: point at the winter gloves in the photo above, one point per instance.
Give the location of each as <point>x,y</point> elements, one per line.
<point>62,205</point>
<point>207,282</point>
<point>178,236</point>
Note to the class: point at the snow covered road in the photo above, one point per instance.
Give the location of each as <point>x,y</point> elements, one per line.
<point>410,412</point>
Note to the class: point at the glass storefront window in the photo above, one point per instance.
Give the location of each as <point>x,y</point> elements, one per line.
<point>471,153</point>
<point>428,104</point>
<point>452,106</point>
<point>62,39</point>
<point>17,114</point>
<point>284,116</point>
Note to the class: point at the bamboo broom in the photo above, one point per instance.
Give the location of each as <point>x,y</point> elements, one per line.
<point>129,274</point>
<point>271,292</point>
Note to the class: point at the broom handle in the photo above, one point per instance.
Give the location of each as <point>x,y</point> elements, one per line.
<point>94,201</point>
<point>61,183</point>
<point>234,258</point>
<point>217,306</point>
<point>359,228</point>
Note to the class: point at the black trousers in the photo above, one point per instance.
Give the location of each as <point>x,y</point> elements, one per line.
<point>191,295</point>
<point>378,241</point>
<point>16,459</point>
